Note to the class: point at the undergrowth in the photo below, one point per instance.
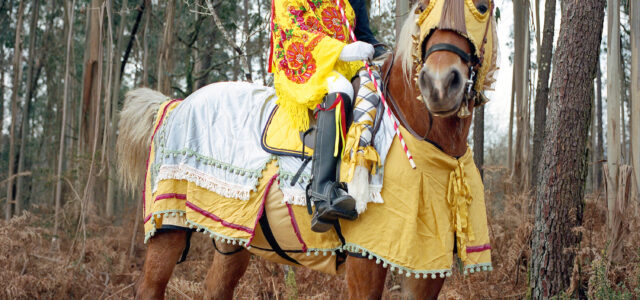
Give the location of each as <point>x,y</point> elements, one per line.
<point>34,267</point>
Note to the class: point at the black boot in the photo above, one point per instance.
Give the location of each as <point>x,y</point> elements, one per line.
<point>329,197</point>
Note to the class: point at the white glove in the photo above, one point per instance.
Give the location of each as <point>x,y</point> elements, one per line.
<point>357,51</point>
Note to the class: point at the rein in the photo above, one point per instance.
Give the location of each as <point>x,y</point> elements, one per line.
<point>386,77</point>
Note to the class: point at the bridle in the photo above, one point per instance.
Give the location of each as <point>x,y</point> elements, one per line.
<point>473,62</point>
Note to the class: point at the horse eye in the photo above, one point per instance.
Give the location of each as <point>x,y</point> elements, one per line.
<point>483,8</point>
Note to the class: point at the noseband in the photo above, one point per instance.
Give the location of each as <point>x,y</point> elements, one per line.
<point>471,60</point>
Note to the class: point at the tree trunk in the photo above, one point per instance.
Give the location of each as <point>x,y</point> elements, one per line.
<point>558,206</point>
<point>521,71</point>
<point>511,111</point>
<point>27,104</point>
<point>600,145</point>
<point>111,124</point>
<point>17,75</point>
<point>542,90</point>
<point>91,96</point>
<point>165,62</point>
<point>145,44</point>
<point>65,97</point>
<point>402,11</point>
<point>613,102</point>
<point>478,139</point>
<point>635,90</point>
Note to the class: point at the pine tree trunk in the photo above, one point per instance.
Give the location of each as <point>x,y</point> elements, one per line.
<point>542,90</point>
<point>563,169</point>
<point>613,103</point>
<point>165,62</point>
<point>17,75</point>
<point>635,90</point>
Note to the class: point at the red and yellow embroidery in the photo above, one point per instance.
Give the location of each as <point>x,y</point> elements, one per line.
<point>307,37</point>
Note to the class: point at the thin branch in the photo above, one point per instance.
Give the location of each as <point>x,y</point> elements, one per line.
<point>227,36</point>
<point>134,30</point>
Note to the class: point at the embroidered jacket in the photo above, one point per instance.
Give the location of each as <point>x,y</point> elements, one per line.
<point>307,37</point>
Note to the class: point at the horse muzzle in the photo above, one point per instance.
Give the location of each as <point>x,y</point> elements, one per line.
<point>443,92</point>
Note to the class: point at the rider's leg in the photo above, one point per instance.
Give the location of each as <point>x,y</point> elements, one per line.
<point>331,202</point>
<point>362,28</point>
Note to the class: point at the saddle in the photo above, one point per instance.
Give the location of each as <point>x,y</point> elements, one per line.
<point>280,138</point>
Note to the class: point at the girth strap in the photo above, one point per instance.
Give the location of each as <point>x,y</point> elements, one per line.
<point>271,239</point>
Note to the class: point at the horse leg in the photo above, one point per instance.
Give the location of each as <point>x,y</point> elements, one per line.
<point>163,253</point>
<point>225,272</point>
<point>421,288</point>
<point>365,278</point>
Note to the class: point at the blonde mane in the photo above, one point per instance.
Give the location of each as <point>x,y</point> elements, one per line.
<point>405,42</point>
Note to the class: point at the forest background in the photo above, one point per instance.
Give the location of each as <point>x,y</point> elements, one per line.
<point>69,230</point>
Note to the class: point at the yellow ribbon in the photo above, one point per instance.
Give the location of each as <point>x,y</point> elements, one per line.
<point>459,199</point>
<point>355,155</point>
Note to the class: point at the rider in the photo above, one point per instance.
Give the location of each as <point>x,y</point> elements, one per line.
<point>312,58</point>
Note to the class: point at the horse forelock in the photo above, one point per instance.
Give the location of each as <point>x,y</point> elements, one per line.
<point>405,42</point>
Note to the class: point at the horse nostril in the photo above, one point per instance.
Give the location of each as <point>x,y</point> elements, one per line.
<point>454,82</point>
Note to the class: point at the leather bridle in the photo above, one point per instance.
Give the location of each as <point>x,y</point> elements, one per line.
<point>473,62</point>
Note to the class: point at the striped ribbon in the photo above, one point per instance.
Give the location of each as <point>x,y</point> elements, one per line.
<point>375,83</point>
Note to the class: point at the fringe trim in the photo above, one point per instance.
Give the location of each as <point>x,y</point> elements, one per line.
<point>218,237</point>
<point>375,195</point>
<point>424,274</point>
<point>221,187</point>
<point>205,160</point>
<point>171,212</point>
<point>293,196</point>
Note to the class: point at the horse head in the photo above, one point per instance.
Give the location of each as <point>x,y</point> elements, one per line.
<point>447,50</point>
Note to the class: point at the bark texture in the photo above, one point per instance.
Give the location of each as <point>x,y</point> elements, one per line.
<point>560,190</point>
<point>542,90</point>
<point>521,79</point>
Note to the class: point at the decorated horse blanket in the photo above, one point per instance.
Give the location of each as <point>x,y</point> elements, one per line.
<point>208,171</point>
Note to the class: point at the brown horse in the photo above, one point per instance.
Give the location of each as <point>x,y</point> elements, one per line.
<point>440,78</point>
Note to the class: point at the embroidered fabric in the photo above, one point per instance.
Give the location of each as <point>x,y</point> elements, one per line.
<point>213,140</point>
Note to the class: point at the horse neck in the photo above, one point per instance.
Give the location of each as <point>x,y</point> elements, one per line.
<point>449,134</point>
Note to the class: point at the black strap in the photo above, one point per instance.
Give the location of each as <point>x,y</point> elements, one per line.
<point>341,257</point>
<point>183,257</point>
<point>466,57</point>
<point>295,178</point>
<point>268,235</point>
<point>226,253</point>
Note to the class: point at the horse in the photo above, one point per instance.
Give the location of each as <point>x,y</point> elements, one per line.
<point>430,95</point>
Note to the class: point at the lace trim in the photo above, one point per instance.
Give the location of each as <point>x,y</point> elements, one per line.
<point>218,186</point>
<point>353,248</point>
<point>152,217</point>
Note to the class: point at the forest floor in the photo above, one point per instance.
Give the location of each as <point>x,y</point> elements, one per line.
<point>34,267</point>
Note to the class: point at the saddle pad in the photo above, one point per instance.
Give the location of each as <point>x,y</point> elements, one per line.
<point>279,137</point>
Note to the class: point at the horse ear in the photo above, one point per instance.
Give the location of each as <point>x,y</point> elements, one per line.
<point>422,5</point>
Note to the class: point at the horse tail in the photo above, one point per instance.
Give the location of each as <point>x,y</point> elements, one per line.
<point>135,129</point>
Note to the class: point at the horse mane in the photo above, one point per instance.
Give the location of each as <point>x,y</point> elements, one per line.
<point>404,46</point>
